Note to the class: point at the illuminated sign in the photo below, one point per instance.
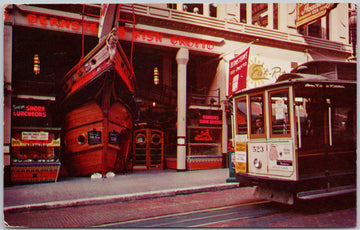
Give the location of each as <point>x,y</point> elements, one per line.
<point>210,119</point>
<point>58,23</point>
<point>204,135</point>
<point>168,39</point>
<point>29,111</point>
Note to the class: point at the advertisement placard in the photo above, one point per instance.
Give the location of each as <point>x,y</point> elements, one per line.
<point>238,72</point>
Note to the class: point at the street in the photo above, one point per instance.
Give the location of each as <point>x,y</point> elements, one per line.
<point>228,208</point>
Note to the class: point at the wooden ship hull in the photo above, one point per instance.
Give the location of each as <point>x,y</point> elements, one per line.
<point>97,98</point>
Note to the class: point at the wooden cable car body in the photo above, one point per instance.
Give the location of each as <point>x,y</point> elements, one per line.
<point>307,146</point>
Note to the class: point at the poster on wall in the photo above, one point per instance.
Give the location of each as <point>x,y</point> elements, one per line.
<point>238,72</point>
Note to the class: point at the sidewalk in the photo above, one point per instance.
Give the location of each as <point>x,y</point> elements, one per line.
<point>132,186</point>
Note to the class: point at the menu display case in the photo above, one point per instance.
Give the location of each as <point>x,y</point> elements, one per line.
<point>204,133</point>
<point>35,145</point>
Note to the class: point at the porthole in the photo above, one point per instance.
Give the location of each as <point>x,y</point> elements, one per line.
<point>140,139</point>
<point>81,139</point>
<point>155,139</point>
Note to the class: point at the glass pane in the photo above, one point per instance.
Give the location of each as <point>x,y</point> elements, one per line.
<point>280,122</point>
<point>260,14</point>
<point>257,111</point>
<point>241,116</point>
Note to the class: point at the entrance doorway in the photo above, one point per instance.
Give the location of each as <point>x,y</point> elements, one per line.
<point>149,148</point>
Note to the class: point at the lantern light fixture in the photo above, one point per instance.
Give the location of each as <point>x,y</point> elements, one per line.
<point>36,64</point>
<point>156,76</point>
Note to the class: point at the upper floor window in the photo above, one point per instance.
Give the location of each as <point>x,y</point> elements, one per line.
<point>213,10</point>
<point>243,12</point>
<point>193,8</point>
<point>171,6</point>
<point>275,16</point>
<point>316,29</point>
<point>259,12</point>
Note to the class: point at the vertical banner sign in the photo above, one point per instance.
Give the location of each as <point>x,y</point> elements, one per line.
<point>238,72</point>
<point>307,13</point>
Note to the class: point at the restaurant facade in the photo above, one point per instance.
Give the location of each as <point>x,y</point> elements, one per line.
<point>184,57</point>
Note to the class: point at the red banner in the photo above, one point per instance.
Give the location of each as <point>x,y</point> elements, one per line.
<point>307,13</point>
<point>238,72</point>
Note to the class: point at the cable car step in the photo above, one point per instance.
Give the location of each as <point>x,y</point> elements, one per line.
<point>315,194</point>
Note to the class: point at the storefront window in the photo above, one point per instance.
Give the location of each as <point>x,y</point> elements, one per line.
<point>241,116</point>
<point>257,116</point>
<point>260,14</point>
<point>279,113</point>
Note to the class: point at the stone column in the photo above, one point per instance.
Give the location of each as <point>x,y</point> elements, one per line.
<point>249,13</point>
<point>270,16</point>
<point>182,59</point>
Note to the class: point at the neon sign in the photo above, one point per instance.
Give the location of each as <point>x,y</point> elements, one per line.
<point>62,23</point>
<point>204,135</point>
<point>29,111</point>
<point>175,40</point>
<point>210,119</point>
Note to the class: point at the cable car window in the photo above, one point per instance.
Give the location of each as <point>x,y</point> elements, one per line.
<point>279,113</point>
<point>241,116</point>
<point>346,71</point>
<point>257,115</point>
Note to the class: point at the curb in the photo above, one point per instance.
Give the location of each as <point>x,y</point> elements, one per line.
<point>118,198</point>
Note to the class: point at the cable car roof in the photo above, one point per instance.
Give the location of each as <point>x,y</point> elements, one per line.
<point>300,78</point>
<point>310,78</point>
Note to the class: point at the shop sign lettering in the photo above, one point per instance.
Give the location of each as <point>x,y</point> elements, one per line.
<point>35,136</point>
<point>260,73</point>
<point>238,70</point>
<point>211,120</point>
<point>62,23</point>
<point>29,111</point>
<point>310,12</point>
<point>175,40</point>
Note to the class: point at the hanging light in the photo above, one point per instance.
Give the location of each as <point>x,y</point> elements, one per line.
<point>156,76</point>
<point>36,64</point>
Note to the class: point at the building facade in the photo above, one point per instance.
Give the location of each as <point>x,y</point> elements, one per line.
<point>160,39</point>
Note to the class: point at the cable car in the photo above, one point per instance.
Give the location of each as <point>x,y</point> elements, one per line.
<point>296,138</point>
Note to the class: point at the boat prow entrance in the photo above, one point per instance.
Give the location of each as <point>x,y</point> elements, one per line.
<point>97,98</point>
